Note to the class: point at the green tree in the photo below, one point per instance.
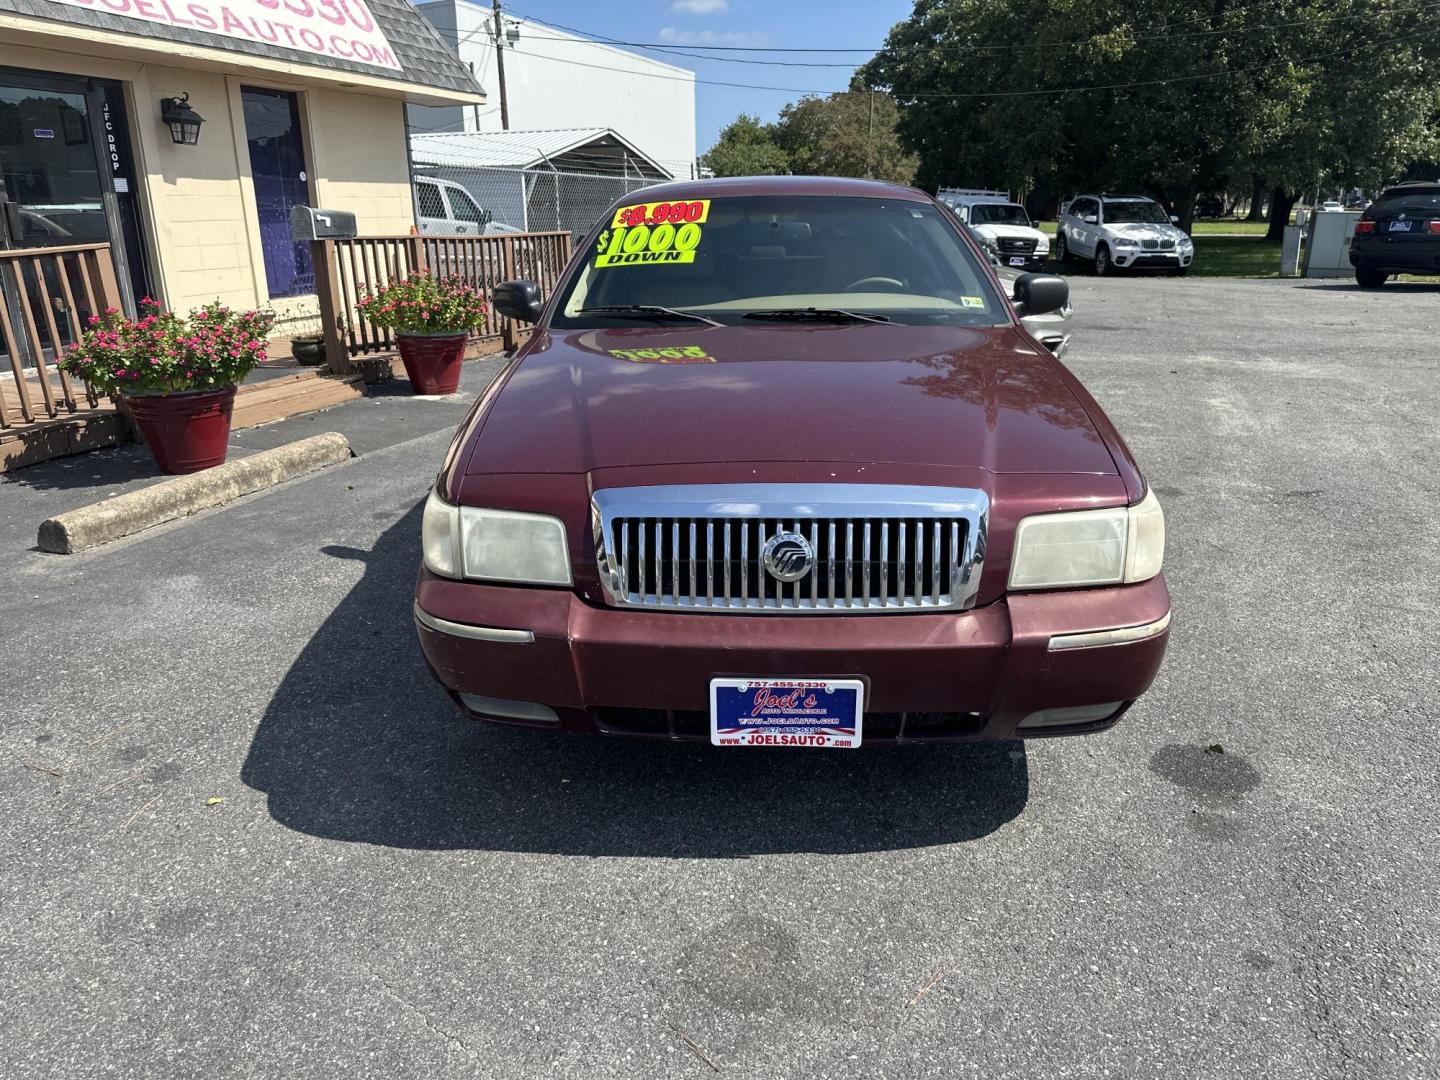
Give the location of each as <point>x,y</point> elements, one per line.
<point>746,147</point>
<point>851,133</point>
<point>1166,97</point>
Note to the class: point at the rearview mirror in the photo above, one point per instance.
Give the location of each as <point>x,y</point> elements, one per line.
<point>518,300</point>
<point>1037,294</point>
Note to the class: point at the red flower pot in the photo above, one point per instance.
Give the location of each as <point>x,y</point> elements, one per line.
<point>186,432</point>
<point>433,361</point>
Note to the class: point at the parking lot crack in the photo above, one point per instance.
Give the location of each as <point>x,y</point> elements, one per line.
<point>424,1017</point>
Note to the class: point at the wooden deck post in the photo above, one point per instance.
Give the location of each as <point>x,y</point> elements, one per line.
<point>327,290</point>
<point>507,331</point>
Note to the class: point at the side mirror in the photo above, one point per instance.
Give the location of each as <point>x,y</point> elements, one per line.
<point>1174,219</point>
<point>1037,294</point>
<point>1091,219</point>
<point>518,300</point>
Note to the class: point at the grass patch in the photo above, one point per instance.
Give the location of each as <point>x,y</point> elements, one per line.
<point>1236,256</point>
<point>1229,225</point>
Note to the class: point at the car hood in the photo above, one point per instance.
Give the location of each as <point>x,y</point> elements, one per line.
<point>580,400</point>
<point>1146,231</point>
<point>1014,232</point>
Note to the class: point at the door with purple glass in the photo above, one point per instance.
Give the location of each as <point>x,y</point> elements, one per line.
<point>277,169</point>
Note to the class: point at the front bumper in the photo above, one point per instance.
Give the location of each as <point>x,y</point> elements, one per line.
<point>1027,261</point>
<point>1139,258</point>
<point>968,675</point>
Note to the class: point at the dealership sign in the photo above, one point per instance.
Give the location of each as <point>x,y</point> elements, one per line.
<point>339,29</point>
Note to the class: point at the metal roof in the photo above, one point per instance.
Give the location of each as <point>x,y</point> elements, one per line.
<point>528,149</point>
<point>426,60</point>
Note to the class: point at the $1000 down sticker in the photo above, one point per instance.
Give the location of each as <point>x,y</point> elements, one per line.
<point>653,234</point>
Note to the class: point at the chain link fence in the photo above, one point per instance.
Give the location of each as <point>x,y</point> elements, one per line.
<point>461,199</point>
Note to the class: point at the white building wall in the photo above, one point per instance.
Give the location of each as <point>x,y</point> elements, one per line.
<point>556,80</point>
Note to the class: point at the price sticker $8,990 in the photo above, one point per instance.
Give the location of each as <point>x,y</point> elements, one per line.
<point>653,234</point>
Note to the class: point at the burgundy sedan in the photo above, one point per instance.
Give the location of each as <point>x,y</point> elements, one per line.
<point>781,466</point>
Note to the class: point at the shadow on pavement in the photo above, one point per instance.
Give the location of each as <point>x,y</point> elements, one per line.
<point>1350,285</point>
<point>105,468</point>
<point>360,744</point>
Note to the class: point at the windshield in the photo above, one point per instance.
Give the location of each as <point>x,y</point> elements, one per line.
<point>1416,200</point>
<point>1135,210</point>
<point>998,214</point>
<point>729,258</point>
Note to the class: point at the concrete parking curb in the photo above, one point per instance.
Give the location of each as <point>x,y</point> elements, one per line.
<point>181,496</point>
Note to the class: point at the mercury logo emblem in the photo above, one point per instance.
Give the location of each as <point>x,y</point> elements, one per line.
<point>787,556</point>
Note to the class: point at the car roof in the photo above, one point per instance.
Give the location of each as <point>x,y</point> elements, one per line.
<point>1412,185</point>
<point>822,186</point>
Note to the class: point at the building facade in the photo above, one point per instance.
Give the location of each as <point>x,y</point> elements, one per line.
<point>295,110</point>
<point>556,80</point>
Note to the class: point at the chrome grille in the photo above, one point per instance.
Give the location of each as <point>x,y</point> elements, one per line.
<point>1017,244</point>
<point>1149,244</point>
<point>870,547</point>
<point>1167,245</point>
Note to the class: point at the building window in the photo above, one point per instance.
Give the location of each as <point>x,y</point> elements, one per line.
<point>278,171</point>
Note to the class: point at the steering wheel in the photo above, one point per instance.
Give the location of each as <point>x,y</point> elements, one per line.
<point>855,286</point>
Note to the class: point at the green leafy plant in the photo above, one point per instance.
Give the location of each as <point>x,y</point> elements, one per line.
<point>165,353</point>
<point>421,304</point>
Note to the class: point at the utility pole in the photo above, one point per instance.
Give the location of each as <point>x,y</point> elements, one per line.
<point>500,69</point>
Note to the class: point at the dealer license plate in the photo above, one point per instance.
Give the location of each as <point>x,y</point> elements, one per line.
<point>1400,226</point>
<point>1017,261</point>
<point>786,712</point>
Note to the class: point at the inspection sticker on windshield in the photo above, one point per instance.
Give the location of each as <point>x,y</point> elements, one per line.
<point>653,234</point>
<point>786,712</point>
<point>972,301</point>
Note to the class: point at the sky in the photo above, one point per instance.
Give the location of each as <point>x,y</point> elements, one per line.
<point>749,23</point>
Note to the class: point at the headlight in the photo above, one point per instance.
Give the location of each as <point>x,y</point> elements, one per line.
<point>1186,242</point>
<point>1125,242</point>
<point>1042,246</point>
<point>494,545</point>
<point>1089,547</point>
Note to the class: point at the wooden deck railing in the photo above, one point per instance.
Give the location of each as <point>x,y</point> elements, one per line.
<point>55,291</point>
<point>345,270</point>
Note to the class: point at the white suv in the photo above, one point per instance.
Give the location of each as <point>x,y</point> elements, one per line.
<point>1122,232</point>
<point>1001,225</point>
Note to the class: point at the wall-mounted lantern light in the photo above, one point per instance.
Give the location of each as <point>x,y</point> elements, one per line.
<point>183,121</point>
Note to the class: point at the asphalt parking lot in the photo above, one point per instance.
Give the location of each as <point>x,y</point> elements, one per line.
<point>386,890</point>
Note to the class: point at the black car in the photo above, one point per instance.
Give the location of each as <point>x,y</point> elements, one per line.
<point>1399,233</point>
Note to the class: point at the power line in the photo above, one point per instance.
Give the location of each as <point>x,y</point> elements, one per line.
<point>678,49</point>
<point>1040,92</point>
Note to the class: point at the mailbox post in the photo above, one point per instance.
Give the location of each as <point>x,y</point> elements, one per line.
<point>321,229</point>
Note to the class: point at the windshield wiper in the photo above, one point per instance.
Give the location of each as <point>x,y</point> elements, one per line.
<point>648,311</point>
<point>816,314</point>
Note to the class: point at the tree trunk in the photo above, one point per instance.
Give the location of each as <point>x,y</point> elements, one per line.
<point>1257,200</point>
<point>1185,207</point>
<point>1281,203</point>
